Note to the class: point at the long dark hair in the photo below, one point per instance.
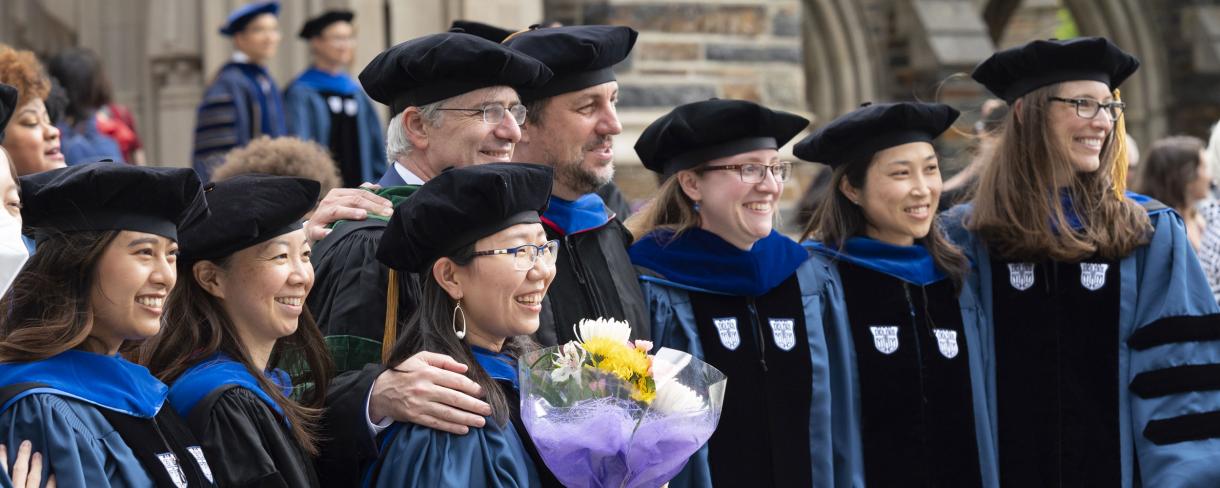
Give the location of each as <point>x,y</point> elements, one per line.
<point>47,311</point>
<point>1171,164</point>
<point>430,328</point>
<point>1017,213</point>
<point>80,72</point>
<point>837,219</point>
<point>198,327</point>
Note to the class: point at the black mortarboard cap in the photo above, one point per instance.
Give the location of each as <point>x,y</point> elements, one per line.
<point>580,56</point>
<point>8,105</point>
<point>241,16</point>
<point>314,27</point>
<point>438,66</point>
<point>857,135</point>
<point>247,210</point>
<point>1011,73</point>
<point>695,133</point>
<point>489,32</point>
<point>460,206</point>
<point>113,196</point>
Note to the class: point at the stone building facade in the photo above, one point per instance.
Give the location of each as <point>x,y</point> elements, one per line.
<point>819,58</point>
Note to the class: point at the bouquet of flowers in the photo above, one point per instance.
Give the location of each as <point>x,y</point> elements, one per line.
<point>604,413</point>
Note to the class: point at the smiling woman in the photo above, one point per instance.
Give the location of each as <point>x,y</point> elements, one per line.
<point>234,320</point>
<point>30,138</point>
<point>107,246</point>
<point>474,236</point>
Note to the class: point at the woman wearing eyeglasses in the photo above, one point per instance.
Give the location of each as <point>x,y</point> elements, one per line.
<point>1100,336</point>
<point>723,285</point>
<point>475,237</point>
<point>907,387</point>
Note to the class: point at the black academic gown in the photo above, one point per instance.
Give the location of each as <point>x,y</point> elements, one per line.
<point>594,278</point>
<point>240,432</point>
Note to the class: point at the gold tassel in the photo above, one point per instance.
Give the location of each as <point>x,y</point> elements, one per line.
<point>391,317</point>
<point>1119,172</point>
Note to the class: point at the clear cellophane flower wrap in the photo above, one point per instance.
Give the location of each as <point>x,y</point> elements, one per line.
<point>604,413</point>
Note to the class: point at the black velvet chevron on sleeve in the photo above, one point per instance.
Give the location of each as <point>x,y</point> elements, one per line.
<point>1178,379</point>
<point>1182,328</point>
<point>1184,428</point>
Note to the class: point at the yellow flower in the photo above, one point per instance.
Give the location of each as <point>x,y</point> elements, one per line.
<point>624,361</point>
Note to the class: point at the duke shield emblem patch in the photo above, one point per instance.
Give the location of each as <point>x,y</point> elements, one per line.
<point>1021,275</point>
<point>885,338</point>
<point>946,340</point>
<point>781,330</point>
<point>197,453</point>
<point>170,461</point>
<point>1093,275</point>
<point>728,332</point>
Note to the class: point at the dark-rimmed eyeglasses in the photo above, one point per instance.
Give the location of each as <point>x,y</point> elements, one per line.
<point>526,255</point>
<point>754,172</point>
<point>494,113</point>
<point>1087,108</point>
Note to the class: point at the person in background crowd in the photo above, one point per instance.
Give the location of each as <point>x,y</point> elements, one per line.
<point>242,102</point>
<point>13,249</point>
<point>1093,303</point>
<point>1209,211</point>
<point>986,132</point>
<point>236,322</point>
<point>30,138</point>
<point>79,70</point>
<point>479,306</point>
<point>722,284</point>
<point>324,104</point>
<point>281,156</point>
<point>571,124</point>
<point>1176,172</point>
<point>107,235</point>
<point>448,112</point>
<point>906,369</point>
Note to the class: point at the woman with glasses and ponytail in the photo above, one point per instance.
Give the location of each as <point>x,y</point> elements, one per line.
<point>474,235</point>
<point>723,285</point>
<point>1100,337</point>
<point>907,388</point>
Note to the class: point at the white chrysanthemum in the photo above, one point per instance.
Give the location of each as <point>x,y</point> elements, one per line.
<point>676,398</point>
<point>615,330</point>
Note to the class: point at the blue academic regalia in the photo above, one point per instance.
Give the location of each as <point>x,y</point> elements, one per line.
<point>494,456</point>
<point>309,117</point>
<point>82,143</point>
<point>239,424</point>
<point>1148,345</point>
<point>755,315</point>
<point>241,104</point>
<point>926,386</point>
<point>70,417</point>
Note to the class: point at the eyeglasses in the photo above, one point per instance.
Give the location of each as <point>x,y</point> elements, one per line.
<point>494,113</point>
<point>754,172</point>
<point>525,256</point>
<point>1088,108</point>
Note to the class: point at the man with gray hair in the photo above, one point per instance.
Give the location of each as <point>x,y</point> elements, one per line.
<point>454,100</point>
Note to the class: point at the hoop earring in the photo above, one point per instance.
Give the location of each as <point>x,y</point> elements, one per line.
<point>457,311</point>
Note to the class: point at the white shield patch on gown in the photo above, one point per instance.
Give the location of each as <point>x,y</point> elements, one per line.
<point>885,337</point>
<point>782,331</point>
<point>946,340</point>
<point>197,452</point>
<point>1021,275</point>
<point>1093,275</point>
<point>728,332</point>
<point>170,461</point>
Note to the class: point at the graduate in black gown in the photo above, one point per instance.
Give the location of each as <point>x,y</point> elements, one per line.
<point>107,246</point>
<point>475,235</point>
<point>907,386</point>
<point>235,319</point>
